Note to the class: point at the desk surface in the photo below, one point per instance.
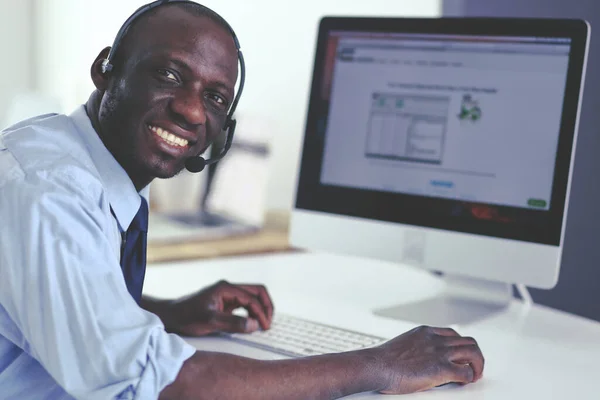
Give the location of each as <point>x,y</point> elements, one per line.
<point>531,352</point>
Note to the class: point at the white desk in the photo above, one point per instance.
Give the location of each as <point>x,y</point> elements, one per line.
<point>531,353</point>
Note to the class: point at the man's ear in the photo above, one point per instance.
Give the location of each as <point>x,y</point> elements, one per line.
<point>99,78</point>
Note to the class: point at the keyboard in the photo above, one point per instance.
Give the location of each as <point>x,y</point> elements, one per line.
<point>298,337</point>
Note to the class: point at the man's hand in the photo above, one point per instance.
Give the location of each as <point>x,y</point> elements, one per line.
<point>426,357</point>
<point>210,310</point>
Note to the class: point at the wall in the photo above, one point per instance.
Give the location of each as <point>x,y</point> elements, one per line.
<point>578,290</point>
<point>16,72</point>
<point>277,39</point>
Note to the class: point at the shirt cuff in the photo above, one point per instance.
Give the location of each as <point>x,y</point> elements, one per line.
<point>164,362</point>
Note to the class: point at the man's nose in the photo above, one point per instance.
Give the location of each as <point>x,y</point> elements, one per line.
<point>189,105</point>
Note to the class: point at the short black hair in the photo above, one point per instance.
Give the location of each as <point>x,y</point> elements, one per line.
<point>193,8</point>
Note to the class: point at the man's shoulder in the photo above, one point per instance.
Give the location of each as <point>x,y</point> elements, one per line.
<point>48,150</point>
<point>43,140</point>
<point>35,120</point>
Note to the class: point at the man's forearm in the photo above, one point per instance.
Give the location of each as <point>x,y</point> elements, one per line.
<point>208,375</point>
<point>150,303</point>
<point>156,306</point>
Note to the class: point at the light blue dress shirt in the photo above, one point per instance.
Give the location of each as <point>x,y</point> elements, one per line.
<point>68,326</point>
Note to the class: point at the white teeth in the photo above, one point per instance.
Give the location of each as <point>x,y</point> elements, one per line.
<point>169,137</point>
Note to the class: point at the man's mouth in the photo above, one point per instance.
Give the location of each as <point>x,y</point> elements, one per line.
<point>168,137</point>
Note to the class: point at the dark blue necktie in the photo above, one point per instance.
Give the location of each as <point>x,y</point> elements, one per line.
<point>133,257</point>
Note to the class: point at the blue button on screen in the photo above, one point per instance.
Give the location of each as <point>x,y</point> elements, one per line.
<point>444,184</point>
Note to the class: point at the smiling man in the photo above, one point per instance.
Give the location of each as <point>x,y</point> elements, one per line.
<point>73,214</point>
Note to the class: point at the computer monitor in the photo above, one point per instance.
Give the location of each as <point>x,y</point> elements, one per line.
<point>445,144</point>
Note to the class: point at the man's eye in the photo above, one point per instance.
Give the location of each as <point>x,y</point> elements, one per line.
<point>167,74</point>
<point>218,99</point>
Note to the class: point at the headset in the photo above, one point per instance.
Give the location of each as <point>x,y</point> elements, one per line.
<point>192,164</point>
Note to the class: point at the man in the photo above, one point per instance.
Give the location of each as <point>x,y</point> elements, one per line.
<point>73,323</point>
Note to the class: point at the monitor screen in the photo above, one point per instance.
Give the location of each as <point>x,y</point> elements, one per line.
<point>464,132</point>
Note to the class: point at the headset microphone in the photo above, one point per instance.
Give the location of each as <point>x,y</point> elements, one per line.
<point>193,164</point>
<point>197,164</point>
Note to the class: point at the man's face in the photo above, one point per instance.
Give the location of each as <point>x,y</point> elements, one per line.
<point>170,93</point>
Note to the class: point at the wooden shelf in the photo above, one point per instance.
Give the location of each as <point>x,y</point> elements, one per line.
<point>272,238</point>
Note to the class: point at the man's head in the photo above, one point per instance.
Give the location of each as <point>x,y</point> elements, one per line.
<point>168,94</point>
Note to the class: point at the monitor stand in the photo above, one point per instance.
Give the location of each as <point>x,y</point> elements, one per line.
<point>464,301</point>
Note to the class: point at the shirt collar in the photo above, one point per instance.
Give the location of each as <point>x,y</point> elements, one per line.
<point>122,195</point>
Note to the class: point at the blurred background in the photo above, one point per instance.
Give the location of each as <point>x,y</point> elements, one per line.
<point>47,48</point>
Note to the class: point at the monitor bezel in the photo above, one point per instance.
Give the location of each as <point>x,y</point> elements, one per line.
<point>417,210</point>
